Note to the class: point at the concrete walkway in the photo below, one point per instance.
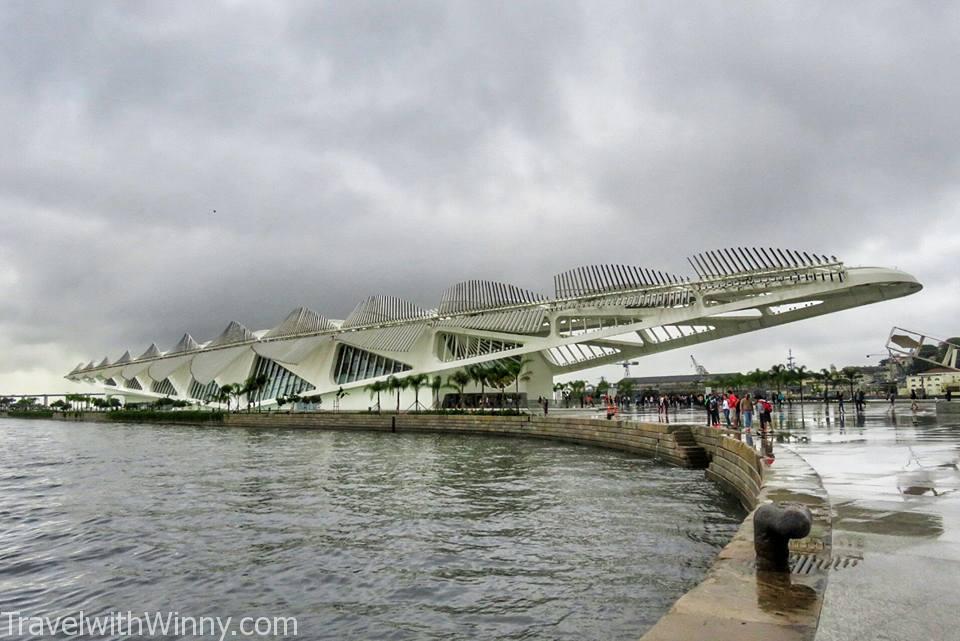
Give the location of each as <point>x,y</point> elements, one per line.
<point>894,487</point>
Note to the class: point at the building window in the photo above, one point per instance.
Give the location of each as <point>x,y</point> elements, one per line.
<point>205,393</point>
<point>353,364</point>
<point>164,387</point>
<point>132,383</point>
<point>455,347</point>
<point>280,381</point>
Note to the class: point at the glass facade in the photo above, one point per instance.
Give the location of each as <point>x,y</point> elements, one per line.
<point>205,393</point>
<point>132,383</point>
<point>455,347</point>
<point>280,381</point>
<point>110,381</point>
<point>164,387</point>
<point>354,364</point>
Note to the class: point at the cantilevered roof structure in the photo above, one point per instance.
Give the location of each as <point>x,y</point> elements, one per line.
<point>599,314</point>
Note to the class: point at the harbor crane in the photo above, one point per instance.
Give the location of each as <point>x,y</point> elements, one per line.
<point>700,369</point>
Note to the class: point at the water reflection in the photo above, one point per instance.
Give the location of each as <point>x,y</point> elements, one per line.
<point>783,593</point>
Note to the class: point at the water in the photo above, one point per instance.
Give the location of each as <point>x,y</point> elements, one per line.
<point>357,535</point>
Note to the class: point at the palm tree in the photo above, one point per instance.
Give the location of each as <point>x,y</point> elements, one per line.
<point>458,380</point>
<point>800,374</point>
<point>415,382</point>
<point>225,394</point>
<point>721,382</point>
<point>577,388</point>
<point>375,388</point>
<point>758,378</point>
<point>778,374</point>
<point>397,385</point>
<point>603,387</point>
<point>827,377</point>
<point>294,399</point>
<point>338,396</point>
<point>480,376</point>
<point>436,384</point>
<point>500,378</point>
<point>625,391</point>
<point>851,375</point>
<point>252,387</point>
<point>238,391</point>
<point>558,387</point>
<point>517,369</point>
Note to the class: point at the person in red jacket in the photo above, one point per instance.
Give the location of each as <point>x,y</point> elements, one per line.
<point>734,404</point>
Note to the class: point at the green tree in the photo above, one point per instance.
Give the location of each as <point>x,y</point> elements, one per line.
<point>480,376</point>
<point>577,390</point>
<point>603,387</point>
<point>237,391</point>
<point>293,399</point>
<point>500,378</point>
<point>757,378</point>
<point>376,388</point>
<point>252,387</point>
<point>826,377</point>
<point>339,395</point>
<point>778,374</point>
<point>851,375</point>
<point>800,374</point>
<point>436,384</point>
<point>458,381</point>
<point>224,394</point>
<point>625,391</point>
<point>416,382</point>
<point>518,371</point>
<point>397,385</point>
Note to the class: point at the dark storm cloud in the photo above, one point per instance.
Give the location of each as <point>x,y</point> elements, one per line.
<point>363,147</point>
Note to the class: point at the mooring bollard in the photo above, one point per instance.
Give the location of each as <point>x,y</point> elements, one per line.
<point>773,527</point>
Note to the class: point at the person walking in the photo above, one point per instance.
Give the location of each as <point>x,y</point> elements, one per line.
<point>726,411</point>
<point>746,416</point>
<point>734,406</point>
<point>766,420</point>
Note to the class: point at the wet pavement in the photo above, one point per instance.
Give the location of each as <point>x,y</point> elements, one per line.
<point>894,486</point>
<point>893,482</point>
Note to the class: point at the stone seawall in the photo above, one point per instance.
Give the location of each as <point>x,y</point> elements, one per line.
<point>657,440</point>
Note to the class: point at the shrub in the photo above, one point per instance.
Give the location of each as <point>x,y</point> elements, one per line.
<point>30,413</point>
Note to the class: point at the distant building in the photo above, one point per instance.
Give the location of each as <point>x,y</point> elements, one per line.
<point>933,382</point>
<point>676,384</point>
<point>878,378</point>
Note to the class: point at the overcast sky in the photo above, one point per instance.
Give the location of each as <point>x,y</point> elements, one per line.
<point>353,148</point>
